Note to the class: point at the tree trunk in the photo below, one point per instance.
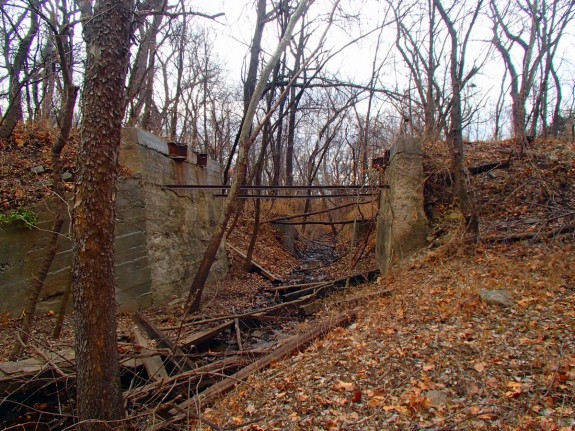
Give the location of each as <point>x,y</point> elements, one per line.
<point>67,110</point>
<point>107,36</point>
<point>266,137</point>
<point>455,136</point>
<point>13,112</point>
<point>140,85</point>
<point>294,101</point>
<point>251,78</point>
<point>52,248</point>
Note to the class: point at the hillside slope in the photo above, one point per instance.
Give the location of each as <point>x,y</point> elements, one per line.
<point>433,355</point>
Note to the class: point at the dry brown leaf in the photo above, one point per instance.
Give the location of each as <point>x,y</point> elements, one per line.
<point>479,367</point>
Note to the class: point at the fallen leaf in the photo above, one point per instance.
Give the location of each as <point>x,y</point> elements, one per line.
<point>376,401</point>
<point>345,386</point>
<point>479,367</point>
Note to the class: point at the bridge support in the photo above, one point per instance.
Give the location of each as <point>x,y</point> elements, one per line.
<point>401,222</point>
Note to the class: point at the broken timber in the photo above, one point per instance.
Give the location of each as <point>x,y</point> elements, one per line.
<point>153,363</point>
<point>299,290</point>
<point>188,378</point>
<point>199,337</point>
<point>181,364</point>
<point>268,274</point>
<point>291,345</point>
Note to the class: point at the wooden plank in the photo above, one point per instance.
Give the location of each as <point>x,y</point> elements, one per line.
<point>199,337</point>
<point>267,274</point>
<point>178,358</point>
<point>154,364</point>
<point>292,286</point>
<point>27,374</point>
<point>189,378</point>
<point>314,290</point>
<point>290,345</point>
<point>238,334</point>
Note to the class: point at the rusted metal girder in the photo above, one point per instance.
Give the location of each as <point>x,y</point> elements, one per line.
<point>226,187</point>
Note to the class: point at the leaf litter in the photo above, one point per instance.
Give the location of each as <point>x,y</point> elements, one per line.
<point>432,355</point>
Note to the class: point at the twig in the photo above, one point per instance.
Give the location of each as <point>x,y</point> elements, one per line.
<point>238,333</point>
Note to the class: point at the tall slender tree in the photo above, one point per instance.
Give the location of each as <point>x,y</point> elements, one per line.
<point>526,35</point>
<point>455,134</point>
<point>245,141</point>
<point>16,66</point>
<point>107,29</point>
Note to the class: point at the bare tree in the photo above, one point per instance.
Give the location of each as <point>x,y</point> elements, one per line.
<point>246,139</point>
<point>459,77</point>
<point>16,63</point>
<point>141,82</point>
<point>251,78</point>
<point>421,50</point>
<point>534,28</point>
<point>63,47</point>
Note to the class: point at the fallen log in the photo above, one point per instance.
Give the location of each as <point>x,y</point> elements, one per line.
<point>291,345</point>
<point>476,170</point>
<point>447,177</point>
<point>267,274</point>
<point>521,236</point>
<point>187,379</point>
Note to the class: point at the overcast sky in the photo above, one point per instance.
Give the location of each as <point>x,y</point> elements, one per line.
<point>234,32</point>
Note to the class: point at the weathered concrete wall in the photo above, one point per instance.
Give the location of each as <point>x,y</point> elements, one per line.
<point>160,234</point>
<point>179,224</point>
<point>401,221</point>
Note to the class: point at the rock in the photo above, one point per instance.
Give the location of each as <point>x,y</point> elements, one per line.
<point>502,298</point>
<point>436,398</point>
<point>38,169</point>
<point>67,176</point>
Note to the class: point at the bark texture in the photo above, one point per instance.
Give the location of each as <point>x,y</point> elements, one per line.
<point>107,35</point>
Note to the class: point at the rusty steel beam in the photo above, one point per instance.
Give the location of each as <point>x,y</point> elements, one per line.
<point>226,187</point>
<point>340,195</point>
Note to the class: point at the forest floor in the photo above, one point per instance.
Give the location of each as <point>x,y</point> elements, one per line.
<point>424,352</point>
<point>433,355</point>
